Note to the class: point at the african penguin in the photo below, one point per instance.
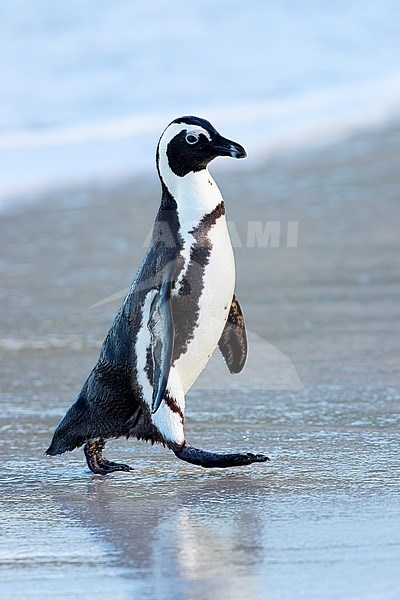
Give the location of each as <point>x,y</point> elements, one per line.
<point>181,305</point>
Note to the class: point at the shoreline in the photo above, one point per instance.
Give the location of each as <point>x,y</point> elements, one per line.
<point>291,141</point>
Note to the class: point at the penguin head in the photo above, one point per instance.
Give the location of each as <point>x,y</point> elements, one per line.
<point>190,143</point>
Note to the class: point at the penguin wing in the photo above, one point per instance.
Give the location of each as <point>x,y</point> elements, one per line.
<point>161,329</point>
<point>233,341</point>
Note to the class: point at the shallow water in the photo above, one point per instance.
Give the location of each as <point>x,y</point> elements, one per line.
<point>321,519</point>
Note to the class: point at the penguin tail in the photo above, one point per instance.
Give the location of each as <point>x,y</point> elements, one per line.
<point>70,432</point>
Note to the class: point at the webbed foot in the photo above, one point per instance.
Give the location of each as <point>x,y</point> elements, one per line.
<point>98,463</point>
<point>206,459</point>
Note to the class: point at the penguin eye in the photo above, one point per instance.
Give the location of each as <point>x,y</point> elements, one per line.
<point>192,138</point>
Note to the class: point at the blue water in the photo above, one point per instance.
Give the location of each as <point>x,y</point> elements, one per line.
<point>88,85</point>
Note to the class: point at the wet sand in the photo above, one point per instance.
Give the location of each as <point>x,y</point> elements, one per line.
<point>321,520</point>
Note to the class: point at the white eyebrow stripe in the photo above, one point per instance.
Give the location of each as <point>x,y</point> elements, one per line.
<point>197,130</point>
<point>176,128</point>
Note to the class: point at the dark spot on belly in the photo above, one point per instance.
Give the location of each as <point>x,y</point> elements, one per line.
<point>173,406</point>
<point>184,289</point>
<point>149,365</point>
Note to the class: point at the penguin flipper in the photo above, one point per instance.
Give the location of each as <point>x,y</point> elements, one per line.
<point>161,328</point>
<point>233,341</point>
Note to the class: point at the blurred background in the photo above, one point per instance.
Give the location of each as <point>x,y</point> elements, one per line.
<point>87,86</point>
<point>312,90</point>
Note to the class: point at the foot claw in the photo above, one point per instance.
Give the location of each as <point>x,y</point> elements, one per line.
<point>97,462</point>
<point>109,466</point>
<point>258,457</point>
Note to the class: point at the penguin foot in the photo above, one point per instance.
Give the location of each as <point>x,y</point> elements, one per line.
<point>206,459</point>
<point>98,463</point>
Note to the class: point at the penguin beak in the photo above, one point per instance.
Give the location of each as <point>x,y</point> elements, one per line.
<point>225,147</point>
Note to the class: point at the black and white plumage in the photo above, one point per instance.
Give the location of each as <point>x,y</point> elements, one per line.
<point>181,305</point>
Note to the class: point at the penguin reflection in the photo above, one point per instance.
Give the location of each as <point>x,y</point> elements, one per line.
<point>206,531</point>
